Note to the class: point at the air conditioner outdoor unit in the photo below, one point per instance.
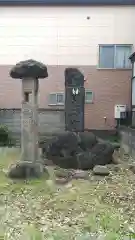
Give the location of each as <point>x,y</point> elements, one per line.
<point>120,111</point>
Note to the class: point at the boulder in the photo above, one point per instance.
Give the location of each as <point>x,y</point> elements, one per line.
<point>101,170</point>
<point>69,144</point>
<point>84,161</point>
<point>87,140</point>
<point>24,170</point>
<point>78,151</point>
<point>63,145</point>
<point>65,162</point>
<point>100,154</point>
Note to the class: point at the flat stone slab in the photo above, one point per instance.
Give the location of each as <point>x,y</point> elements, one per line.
<point>79,174</point>
<point>24,170</point>
<point>101,170</point>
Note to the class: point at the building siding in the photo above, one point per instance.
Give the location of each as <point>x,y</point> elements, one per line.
<point>62,37</point>
<point>109,88</point>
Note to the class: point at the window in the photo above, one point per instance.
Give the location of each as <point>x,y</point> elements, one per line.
<point>88,96</point>
<point>115,56</point>
<point>56,99</point>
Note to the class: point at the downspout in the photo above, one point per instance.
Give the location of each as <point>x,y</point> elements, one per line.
<point>131,87</point>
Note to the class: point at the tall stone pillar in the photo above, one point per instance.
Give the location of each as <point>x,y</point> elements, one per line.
<point>74,100</point>
<point>29,120</point>
<point>29,72</point>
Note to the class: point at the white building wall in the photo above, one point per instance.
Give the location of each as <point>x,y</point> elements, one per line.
<point>62,35</point>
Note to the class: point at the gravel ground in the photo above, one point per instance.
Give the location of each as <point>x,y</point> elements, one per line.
<point>41,209</point>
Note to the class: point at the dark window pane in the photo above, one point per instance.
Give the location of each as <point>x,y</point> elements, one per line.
<point>106,56</point>
<point>26,97</point>
<point>52,98</point>
<point>60,98</point>
<point>122,56</point>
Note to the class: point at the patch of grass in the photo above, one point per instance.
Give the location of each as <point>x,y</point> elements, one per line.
<point>113,138</point>
<point>40,209</point>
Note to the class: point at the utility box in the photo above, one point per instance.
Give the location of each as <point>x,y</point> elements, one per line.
<point>120,111</point>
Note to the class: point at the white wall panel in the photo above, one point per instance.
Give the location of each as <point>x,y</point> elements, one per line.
<point>62,35</point>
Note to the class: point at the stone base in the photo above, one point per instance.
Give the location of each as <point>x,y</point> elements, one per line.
<point>24,170</point>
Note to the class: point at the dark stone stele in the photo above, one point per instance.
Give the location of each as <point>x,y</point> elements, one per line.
<point>29,69</point>
<point>74,103</point>
<point>73,77</point>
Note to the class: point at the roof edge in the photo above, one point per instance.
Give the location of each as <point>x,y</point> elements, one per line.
<point>65,2</point>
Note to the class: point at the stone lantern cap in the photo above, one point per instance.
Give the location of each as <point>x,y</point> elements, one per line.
<point>29,69</point>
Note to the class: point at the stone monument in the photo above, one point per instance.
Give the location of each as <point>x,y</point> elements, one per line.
<point>76,148</point>
<point>29,72</point>
<point>74,100</point>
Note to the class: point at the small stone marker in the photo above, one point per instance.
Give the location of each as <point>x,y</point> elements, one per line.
<point>101,170</point>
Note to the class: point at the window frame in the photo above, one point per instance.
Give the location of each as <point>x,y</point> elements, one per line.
<point>113,45</point>
<point>62,104</point>
<point>88,91</point>
<point>56,104</point>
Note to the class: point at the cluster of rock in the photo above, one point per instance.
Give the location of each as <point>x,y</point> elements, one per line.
<point>82,150</point>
